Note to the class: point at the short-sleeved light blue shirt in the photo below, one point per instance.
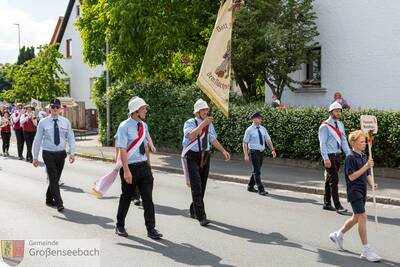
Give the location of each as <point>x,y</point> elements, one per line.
<point>45,136</point>
<point>252,139</point>
<point>328,143</point>
<point>189,126</point>
<point>126,133</point>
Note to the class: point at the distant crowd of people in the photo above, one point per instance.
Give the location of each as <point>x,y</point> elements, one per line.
<point>22,120</point>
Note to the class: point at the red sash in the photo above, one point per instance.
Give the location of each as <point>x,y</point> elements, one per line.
<point>140,134</point>
<point>336,130</point>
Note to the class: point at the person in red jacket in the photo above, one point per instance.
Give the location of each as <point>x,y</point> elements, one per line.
<point>5,128</point>
<point>29,123</point>
<point>15,119</point>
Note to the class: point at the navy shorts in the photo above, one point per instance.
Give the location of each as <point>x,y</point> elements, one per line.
<point>358,205</point>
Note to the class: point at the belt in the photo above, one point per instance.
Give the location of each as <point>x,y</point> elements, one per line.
<point>54,152</point>
<point>256,150</point>
<point>137,164</point>
<point>335,154</point>
<point>198,153</point>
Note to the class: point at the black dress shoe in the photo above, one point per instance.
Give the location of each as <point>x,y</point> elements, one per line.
<point>21,158</point>
<point>51,203</point>
<point>204,222</point>
<point>341,210</point>
<point>154,234</point>
<point>60,208</point>
<point>328,207</point>
<point>263,193</point>
<point>121,231</point>
<point>252,189</point>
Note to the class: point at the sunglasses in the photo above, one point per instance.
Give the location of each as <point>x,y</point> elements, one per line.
<point>54,107</point>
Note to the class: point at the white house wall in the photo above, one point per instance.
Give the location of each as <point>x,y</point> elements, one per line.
<point>360,46</point>
<point>78,72</point>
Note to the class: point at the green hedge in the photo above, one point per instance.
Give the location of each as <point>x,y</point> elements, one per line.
<point>294,131</point>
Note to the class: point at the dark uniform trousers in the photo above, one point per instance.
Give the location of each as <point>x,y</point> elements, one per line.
<point>29,137</point>
<point>54,161</point>
<point>6,141</point>
<point>257,158</point>
<point>332,181</point>
<point>143,180</point>
<point>20,141</point>
<point>198,181</point>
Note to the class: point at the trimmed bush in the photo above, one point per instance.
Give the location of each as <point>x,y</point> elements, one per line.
<point>294,131</point>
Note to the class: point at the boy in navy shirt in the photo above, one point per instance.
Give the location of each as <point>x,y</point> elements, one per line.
<point>357,166</point>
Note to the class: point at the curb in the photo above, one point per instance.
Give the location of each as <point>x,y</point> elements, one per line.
<point>235,179</point>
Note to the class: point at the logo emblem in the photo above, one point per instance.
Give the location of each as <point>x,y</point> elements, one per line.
<point>12,251</point>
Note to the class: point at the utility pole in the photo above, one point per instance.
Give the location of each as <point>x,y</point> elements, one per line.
<point>19,36</point>
<point>108,123</point>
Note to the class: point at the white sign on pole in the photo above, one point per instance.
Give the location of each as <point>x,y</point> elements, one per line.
<point>369,124</point>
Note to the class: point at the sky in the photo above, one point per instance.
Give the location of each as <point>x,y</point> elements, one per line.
<point>37,19</point>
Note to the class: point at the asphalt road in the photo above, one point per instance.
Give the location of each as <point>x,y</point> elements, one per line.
<point>282,229</point>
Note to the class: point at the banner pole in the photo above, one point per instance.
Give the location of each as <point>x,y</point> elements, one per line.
<point>373,186</point>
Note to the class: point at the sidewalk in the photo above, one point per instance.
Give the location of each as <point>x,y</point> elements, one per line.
<point>273,175</point>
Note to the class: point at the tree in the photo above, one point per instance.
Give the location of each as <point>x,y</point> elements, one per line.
<point>25,54</point>
<point>271,39</point>
<point>163,39</point>
<point>37,78</point>
<point>5,77</point>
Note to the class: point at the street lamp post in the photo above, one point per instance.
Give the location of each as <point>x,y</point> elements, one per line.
<point>19,36</point>
<point>108,122</point>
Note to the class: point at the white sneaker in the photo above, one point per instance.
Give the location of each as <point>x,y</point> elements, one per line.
<point>370,255</point>
<point>338,240</point>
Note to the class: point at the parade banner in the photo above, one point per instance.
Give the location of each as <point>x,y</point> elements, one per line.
<point>369,125</point>
<point>215,74</point>
<point>35,103</point>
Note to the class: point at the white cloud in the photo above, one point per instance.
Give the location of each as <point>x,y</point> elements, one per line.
<point>34,32</point>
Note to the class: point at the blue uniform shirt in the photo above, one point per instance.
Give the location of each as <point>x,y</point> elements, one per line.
<point>45,136</point>
<point>358,188</point>
<point>189,126</point>
<point>126,133</point>
<point>327,142</point>
<point>251,137</point>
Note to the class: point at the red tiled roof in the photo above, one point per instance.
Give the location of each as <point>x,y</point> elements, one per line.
<point>56,31</point>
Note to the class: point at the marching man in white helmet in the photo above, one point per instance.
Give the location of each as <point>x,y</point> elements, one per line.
<point>332,140</point>
<point>136,171</point>
<point>198,136</point>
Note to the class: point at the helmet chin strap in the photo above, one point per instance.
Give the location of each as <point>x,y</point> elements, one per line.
<point>138,115</point>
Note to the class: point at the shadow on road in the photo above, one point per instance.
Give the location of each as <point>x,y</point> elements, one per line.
<point>183,253</point>
<point>255,237</point>
<point>72,189</point>
<point>294,199</point>
<point>383,220</point>
<point>85,218</point>
<point>251,236</point>
<point>338,259</point>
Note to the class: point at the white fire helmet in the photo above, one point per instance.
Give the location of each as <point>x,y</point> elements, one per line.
<point>199,105</point>
<point>135,104</point>
<point>335,105</point>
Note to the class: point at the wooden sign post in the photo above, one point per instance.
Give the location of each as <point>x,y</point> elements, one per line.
<point>369,125</point>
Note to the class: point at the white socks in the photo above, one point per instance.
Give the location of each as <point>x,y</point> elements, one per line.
<point>339,233</point>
